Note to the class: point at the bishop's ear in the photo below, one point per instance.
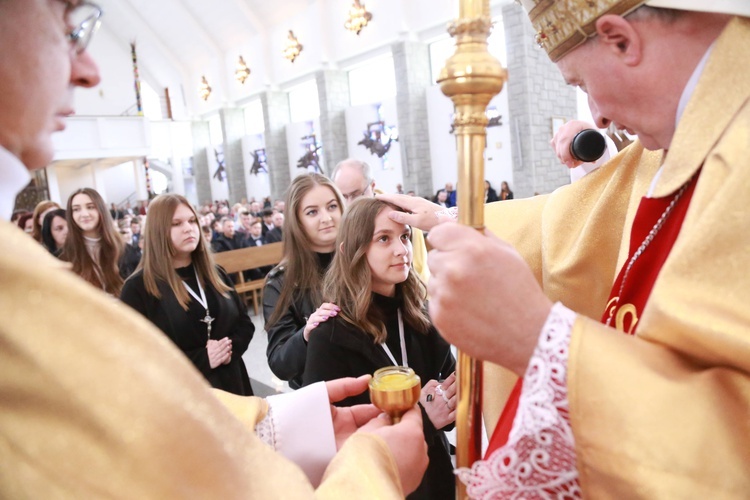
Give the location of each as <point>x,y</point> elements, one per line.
<point>621,37</point>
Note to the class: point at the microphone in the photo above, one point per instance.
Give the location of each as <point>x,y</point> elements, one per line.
<point>588,145</point>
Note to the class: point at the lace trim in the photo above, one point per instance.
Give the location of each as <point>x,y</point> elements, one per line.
<point>539,461</point>
<point>266,429</point>
<point>451,212</point>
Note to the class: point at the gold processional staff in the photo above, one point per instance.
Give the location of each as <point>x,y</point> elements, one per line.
<point>471,78</point>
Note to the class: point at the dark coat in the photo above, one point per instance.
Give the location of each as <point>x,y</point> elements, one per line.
<point>188,333</point>
<point>339,349</point>
<point>129,260</point>
<point>274,235</point>
<point>223,244</point>
<point>287,348</point>
<point>257,273</point>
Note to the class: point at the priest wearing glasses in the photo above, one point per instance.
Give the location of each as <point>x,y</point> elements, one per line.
<point>96,401</point>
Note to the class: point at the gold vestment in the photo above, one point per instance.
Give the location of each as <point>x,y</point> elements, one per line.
<point>664,414</point>
<point>98,403</point>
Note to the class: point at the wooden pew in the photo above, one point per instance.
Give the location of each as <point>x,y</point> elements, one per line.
<point>236,261</point>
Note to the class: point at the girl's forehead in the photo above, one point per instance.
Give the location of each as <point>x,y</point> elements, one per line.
<point>385,223</point>
<point>82,198</point>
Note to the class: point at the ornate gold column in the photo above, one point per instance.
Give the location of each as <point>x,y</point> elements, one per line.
<point>471,78</point>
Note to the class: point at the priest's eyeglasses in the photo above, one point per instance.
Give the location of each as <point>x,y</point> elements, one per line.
<point>85,18</point>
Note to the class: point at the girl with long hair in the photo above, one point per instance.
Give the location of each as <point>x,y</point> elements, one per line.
<point>54,231</point>
<point>40,211</point>
<point>179,288</point>
<point>383,322</point>
<point>93,244</point>
<point>505,192</point>
<point>490,194</point>
<point>292,301</point>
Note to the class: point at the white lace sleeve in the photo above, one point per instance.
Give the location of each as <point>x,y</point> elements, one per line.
<point>539,461</point>
<point>449,213</point>
<point>265,429</point>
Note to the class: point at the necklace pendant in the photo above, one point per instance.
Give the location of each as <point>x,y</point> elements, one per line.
<point>208,320</point>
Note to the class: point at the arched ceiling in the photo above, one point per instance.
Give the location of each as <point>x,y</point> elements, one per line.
<point>180,40</point>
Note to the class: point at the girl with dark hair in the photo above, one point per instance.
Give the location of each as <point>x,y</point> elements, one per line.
<point>54,231</point>
<point>292,301</point>
<point>383,322</point>
<point>40,211</point>
<point>26,223</point>
<point>490,194</point>
<point>180,289</point>
<point>505,192</point>
<point>93,244</point>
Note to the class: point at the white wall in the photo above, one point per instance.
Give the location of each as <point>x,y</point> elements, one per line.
<point>295,147</point>
<point>116,92</point>
<point>219,189</point>
<point>498,155</point>
<point>99,137</point>
<point>386,171</point>
<point>114,183</point>
<point>258,186</point>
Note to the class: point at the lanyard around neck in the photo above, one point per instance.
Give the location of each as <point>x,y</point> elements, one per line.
<point>403,344</point>
<point>202,299</point>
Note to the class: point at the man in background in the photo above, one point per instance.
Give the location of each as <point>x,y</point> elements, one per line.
<point>267,217</point>
<point>228,239</point>
<point>275,234</point>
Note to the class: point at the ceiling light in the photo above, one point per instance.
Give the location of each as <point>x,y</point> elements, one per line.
<point>358,17</point>
<point>293,47</point>
<point>204,90</point>
<point>242,71</point>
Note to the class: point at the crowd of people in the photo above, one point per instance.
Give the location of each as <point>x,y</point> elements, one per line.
<point>631,356</point>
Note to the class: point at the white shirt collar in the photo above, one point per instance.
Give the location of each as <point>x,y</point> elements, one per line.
<point>14,176</point>
<point>689,89</point>
<point>687,93</point>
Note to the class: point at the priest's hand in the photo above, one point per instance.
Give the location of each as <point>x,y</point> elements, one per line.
<point>417,212</point>
<point>347,420</point>
<point>484,298</point>
<point>219,351</point>
<point>406,442</point>
<point>564,138</point>
<point>405,439</point>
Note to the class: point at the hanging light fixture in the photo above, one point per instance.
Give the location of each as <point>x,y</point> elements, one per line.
<point>293,47</point>
<point>204,89</point>
<point>242,71</point>
<point>358,17</point>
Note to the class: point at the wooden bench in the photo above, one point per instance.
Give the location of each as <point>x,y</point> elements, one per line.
<point>244,259</point>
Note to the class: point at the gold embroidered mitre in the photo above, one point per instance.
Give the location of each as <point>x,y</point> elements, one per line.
<point>562,25</point>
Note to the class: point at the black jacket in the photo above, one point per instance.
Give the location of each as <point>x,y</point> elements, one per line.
<point>274,235</point>
<point>129,260</point>
<point>188,333</point>
<point>287,348</point>
<point>223,244</point>
<point>339,349</point>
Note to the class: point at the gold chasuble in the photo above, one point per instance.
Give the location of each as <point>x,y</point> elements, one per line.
<point>98,403</point>
<point>644,407</point>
